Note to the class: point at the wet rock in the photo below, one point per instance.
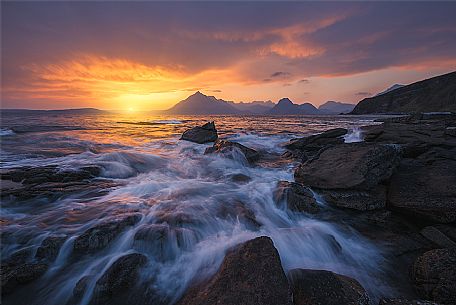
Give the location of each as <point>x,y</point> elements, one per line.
<point>434,275</point>
<point>425,190</point>
<point>201,134</point>
<point>321,287</point>
<point>251,273</point>
<point>237,210</point>
<point>354,199</point>
<point>351,175</point>
<point>357,166</point>
<point>240,178</point>
<point>162,241</point>
<point>226,147</point>
<point>329,137</point>
<point>50,247</point>
<point>99,236</point>
<point>14,274</point>
<point>114,285</point>
<point>405,302</point>
<point>296,197</point>
<point>79,289</point>
<point>437,237</point>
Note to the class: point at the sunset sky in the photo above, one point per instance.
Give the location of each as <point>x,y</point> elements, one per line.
<point>150,55</point>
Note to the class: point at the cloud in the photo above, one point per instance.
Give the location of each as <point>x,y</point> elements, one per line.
<point>280,74</point>
<point>303,81</point>
<point>363,93</point>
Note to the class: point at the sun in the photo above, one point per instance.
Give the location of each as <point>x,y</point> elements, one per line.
<point>131,109</point>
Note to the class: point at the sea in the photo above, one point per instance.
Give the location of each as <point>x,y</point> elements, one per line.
<point>157,174</point>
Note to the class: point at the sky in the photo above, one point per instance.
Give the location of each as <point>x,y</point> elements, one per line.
<point>151,55</point>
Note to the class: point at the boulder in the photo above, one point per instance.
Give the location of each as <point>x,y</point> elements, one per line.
<point>50,247</point>
<point>358,166</point>
<point>296,197</point>
<point>240,178</point>
<point>16,271</point>
<point>201,134</point>
<point>100,235</point>
<point>321,287</point>
<point>434,275</point>
<point>251,274</point>
<point>226,148</point>
<point>425,190</point>
<point>114,285</point>
<point>405,302</point>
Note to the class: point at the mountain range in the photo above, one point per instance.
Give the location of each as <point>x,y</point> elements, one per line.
<point>198,103</point>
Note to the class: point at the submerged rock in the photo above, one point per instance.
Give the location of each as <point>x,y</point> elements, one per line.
<point>227,147</point>
<point>163,241</point>
<point>425,190</point>
<point>201,134</point>
<point>102,234</point>
<point>50,247</point>
<point>251,274</point>
<point>321,287</point>
<point>434,275</point>
<point>296,197</point>
<point>239,211</point>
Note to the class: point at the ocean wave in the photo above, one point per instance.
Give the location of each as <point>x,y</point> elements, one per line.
<point>166,122</point>
<point>6,132</point>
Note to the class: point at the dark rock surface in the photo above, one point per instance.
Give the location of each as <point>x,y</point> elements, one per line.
<point>201,134</point>
<point>17,270</point>
<point>49,181</point>
<point>405,302</point>
<point>331,136</point>
<point>50,247</point>
<point>238,210</point>
<point>358,166</point>
<point>321,287</point>
<point>438,237</point>
<point>226,147</point>
<point>113,286</point>
<point>425,190</point>
<point>433,94</point>
<point>351,175</point>
<point>434,275</point>
<point>99,236</point>
<point>251,274</point>
<point>296,197</point>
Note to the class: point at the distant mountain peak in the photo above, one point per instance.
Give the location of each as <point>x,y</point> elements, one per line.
<point>285,101</point>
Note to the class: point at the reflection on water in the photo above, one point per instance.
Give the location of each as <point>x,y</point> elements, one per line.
<point>189,198</point>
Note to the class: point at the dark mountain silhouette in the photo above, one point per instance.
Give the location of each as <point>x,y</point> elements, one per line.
<point>286,107</point>
<point>431,95</point>
<point>393,87</point>
<point>332,107</point>
<point>199,103</point>
<point>255,107</point>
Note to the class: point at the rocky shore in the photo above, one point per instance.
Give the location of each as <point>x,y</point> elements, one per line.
<point>397,188</point>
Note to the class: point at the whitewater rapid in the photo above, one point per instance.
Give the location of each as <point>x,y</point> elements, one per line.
<point>172,183</point>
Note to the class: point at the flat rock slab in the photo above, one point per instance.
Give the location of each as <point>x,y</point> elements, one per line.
<point>425,190</point>
<point>251,274</point>
<point>359,166</point>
